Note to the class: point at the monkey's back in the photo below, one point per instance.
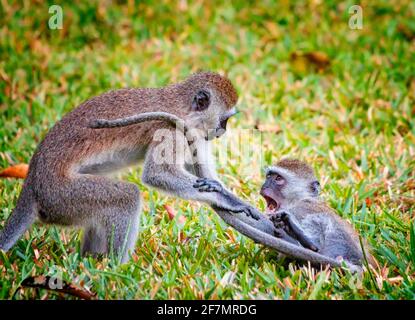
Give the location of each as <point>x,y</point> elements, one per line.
<point>70,141</point>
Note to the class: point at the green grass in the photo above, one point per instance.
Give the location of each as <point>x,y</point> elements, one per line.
<point>353,121</point>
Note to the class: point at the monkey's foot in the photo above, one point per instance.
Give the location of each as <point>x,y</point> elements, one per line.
<point>208,185</point>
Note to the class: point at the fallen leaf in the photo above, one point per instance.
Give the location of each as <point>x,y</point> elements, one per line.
<point>287,282</point>
<point>230,235</point>
<point>154,290</point>
<point>320,59</point>
<point>227,279</point>
<point>18,171</point>
<point>395,279</point>
<point>302,61</point>
<point>268,128</point>
<point>39,280</point>
<point>333,161</point>
<point>172,214</point>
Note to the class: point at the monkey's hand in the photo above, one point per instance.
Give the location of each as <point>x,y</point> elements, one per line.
<point>208,185</point>
<point>230,202</point>
<point>283,220</point>
<point>239,209</point>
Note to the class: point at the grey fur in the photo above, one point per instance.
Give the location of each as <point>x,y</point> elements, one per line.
<point>307,217</point>
<point>262,230</point>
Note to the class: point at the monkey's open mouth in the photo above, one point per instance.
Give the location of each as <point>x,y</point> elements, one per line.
<point>272,205</point>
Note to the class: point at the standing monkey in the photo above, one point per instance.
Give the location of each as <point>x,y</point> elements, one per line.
<point>67,183</point>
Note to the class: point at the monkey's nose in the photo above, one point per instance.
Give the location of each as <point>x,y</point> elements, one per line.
<point>264,192</point>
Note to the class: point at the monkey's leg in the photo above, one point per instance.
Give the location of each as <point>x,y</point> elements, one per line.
<point>94,241</point>
<point>299,233</point>
<point>115,230</point>
<point>121,231</point>
<point>282,234</point>
<point>115,233</point>
<point>107,209</point>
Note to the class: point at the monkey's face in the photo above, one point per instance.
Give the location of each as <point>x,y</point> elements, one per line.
<point>283,187</point>
<point>210,113</point>
<point>273,191</point>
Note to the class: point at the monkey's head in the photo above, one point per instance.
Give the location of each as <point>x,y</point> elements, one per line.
<point>288,181</point>
<point>213,99</point>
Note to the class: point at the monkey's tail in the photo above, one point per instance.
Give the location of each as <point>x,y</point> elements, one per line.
<point>138,118</point>
<point>20,220</point>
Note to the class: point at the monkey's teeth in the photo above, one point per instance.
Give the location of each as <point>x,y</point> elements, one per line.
<point>271,209</point>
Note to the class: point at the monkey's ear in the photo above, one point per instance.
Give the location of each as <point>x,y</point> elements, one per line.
<point>315,188</point>
<point>201,101</point>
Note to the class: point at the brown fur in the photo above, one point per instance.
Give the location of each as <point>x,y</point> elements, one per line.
<point>300,168</point>
<point>70,140</point>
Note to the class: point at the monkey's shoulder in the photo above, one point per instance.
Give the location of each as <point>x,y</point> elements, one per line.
<point>312,206</point>
<point>320,208</point>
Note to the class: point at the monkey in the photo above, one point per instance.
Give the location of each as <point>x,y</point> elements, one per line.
<point>68,183</point>
<point>291,191</point>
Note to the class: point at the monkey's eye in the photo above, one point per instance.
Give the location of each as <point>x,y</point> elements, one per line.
<point>201,101</point>
<point>315,188</point>
<point>278,177</point>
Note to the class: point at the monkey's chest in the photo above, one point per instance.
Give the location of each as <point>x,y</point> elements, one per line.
<point>315,227</point>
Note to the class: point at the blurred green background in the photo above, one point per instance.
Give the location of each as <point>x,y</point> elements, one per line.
<point>340,98</point>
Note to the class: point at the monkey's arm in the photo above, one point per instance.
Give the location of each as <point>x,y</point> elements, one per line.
<point>209,185</point>
<point>262,231</point>
<point>138,118</point>
<point>184,179</point>
<point>297,230</point>
<point>167,173</point>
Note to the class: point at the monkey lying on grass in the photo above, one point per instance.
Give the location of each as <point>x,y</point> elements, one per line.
<point>291,191</point>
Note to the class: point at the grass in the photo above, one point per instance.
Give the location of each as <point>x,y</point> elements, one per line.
<point>353,120</point>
